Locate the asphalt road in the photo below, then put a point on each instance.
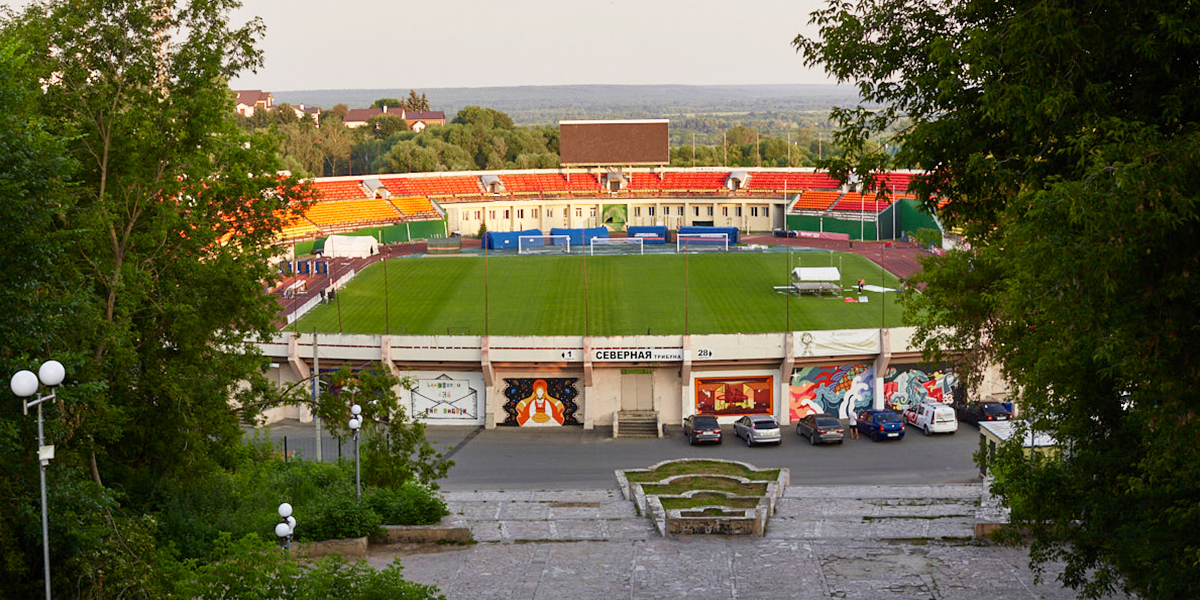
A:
(571, 458)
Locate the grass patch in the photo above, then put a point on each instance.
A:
(710, 512)
(701, 467)
(700, 482)
(708, 500)
(544, 295)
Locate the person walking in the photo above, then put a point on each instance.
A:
(861, 283)
(853, 425)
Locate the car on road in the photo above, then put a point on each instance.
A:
(881, 424)
(932, 417)
(702, 428)
(822, 428)
(974, 412)
(758, 429)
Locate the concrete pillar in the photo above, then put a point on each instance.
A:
(685, 378)
(491, 402)
(881, 365)
(589, 391)
(785, 380)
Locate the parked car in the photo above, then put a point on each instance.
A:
(758, 429)
(881, 424)
(820, 428)
(932, 417)
(974, 412)
(702, 428)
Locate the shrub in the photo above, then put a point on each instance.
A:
(409, 504)
(337, 517)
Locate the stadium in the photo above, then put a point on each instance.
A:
(611, 292)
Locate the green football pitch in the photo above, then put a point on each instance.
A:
(623, 295)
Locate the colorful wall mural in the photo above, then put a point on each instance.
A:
(840, 389)
(735, 396)
(533, 402)
(446, 398)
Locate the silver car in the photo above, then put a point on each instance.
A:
(758, 429)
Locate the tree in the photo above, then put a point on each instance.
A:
(1062, 141)
(389, 102)
(415, 103)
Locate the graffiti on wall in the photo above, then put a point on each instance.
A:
(840, 389)
(910, 384)
(547, 402)
(735, 396)
(440, 397)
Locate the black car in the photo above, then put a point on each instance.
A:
(820, 428)
(702, 428)
(974, 412)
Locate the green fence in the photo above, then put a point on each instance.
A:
(391, 234)
(892, 223)
(856, 229)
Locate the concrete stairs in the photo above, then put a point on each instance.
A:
(637, 424)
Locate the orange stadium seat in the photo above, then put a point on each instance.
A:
(777, 181)
(816, 199)
(704, 181)
(415, 208)
(339, 190)
(349, 212)
(441, 186)
(859, 202)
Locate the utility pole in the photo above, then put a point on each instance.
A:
(316, 391)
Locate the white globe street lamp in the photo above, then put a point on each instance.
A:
(25, 384)
(355, 425)
(286, 528)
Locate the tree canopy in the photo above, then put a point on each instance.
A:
(1062, 140)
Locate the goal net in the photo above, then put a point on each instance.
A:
(544, 244)
(616, 246)
(702, 242)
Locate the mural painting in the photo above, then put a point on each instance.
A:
(910, 384)
(438, 397)
(614, 216)
(547, 402)
(839, 389)
(836, 389)
(735, 396)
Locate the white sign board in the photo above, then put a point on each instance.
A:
(447, 398)
(637, 355)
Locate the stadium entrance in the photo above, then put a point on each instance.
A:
(637, 389)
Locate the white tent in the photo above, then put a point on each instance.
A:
(350, 246)
(817, 274)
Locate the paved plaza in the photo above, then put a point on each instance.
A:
(824, 542)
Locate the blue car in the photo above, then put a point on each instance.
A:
(880, 424)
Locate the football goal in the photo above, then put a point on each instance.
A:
(702, 242)
(616, 246)
(544, 244)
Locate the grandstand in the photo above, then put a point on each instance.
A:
(860, 202)
(296, 227)
(695, 182)
(450, 188)
(815, 200)
(415, 208)
(340, 189)
(778, 182)
(345, 215)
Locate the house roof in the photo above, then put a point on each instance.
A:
(252, 97)
(366, 114)
(428, 115)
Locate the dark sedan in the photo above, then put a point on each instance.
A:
(975, 412)
(702, 428)
(821, 428)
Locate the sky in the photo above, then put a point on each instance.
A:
(372, 44)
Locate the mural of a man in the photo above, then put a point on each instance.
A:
(539, 408)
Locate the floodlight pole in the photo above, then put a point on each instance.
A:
(23, 385)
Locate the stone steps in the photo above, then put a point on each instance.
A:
(804, 513)
(637, 424)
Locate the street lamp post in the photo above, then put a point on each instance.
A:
(355, 424)
(286, 527)
(25, 384)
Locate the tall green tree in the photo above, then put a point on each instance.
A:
(174, 211)
(1063, 141)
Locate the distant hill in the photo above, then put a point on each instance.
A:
(546, 105)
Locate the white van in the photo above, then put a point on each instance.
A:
(932, 417)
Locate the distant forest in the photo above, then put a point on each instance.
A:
(517, 127)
